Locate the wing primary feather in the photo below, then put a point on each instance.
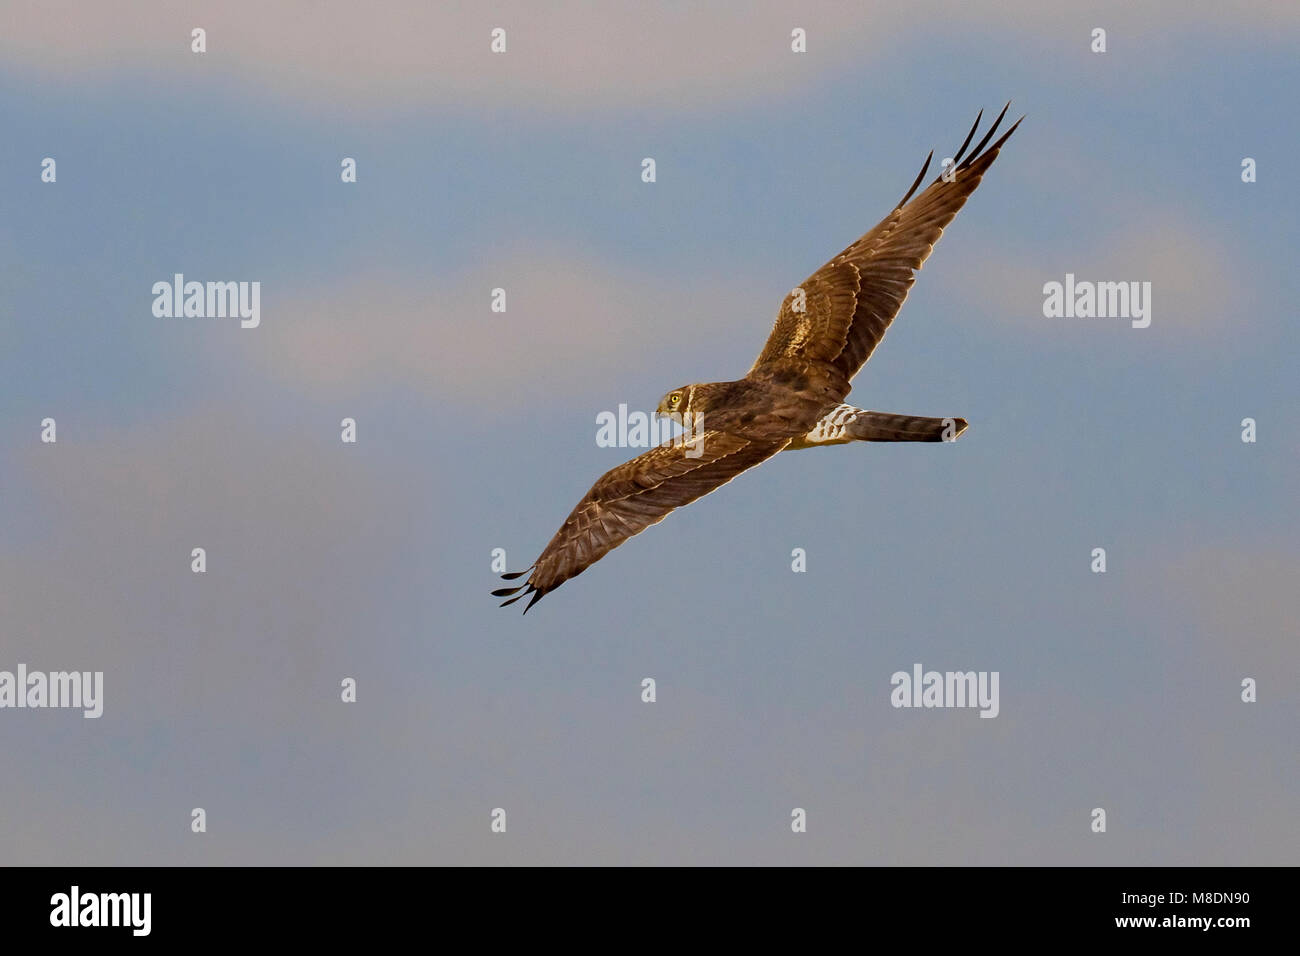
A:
(518, 596)
(506, 592)
(969, 136)
(919, 176)
(987, 136)
(515, 575)
(1005, 136)
(537, 596)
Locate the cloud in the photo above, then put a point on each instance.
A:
(561, 55)
(1194, 276)
(572, 326)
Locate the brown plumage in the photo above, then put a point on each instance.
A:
(826, 330)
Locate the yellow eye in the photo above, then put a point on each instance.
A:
(674, 400)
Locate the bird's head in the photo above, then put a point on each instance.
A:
(677, 403)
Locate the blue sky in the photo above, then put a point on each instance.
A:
(477, 431)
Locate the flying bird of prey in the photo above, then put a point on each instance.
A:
(794, 395)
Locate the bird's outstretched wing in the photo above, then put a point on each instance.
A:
(839, 315)
(628, 499)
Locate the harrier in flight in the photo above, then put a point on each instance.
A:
(794, 395)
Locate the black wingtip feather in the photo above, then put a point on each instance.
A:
(1007, 135)
(527, 589)
(517, 597)
(919, 176)
(537, 596)
(514, 574)
(969, 136)
(978, 151)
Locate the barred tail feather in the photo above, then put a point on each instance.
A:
(846, 423)
(882, 426)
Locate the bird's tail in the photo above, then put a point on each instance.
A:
(846, 424)
(882, 426)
